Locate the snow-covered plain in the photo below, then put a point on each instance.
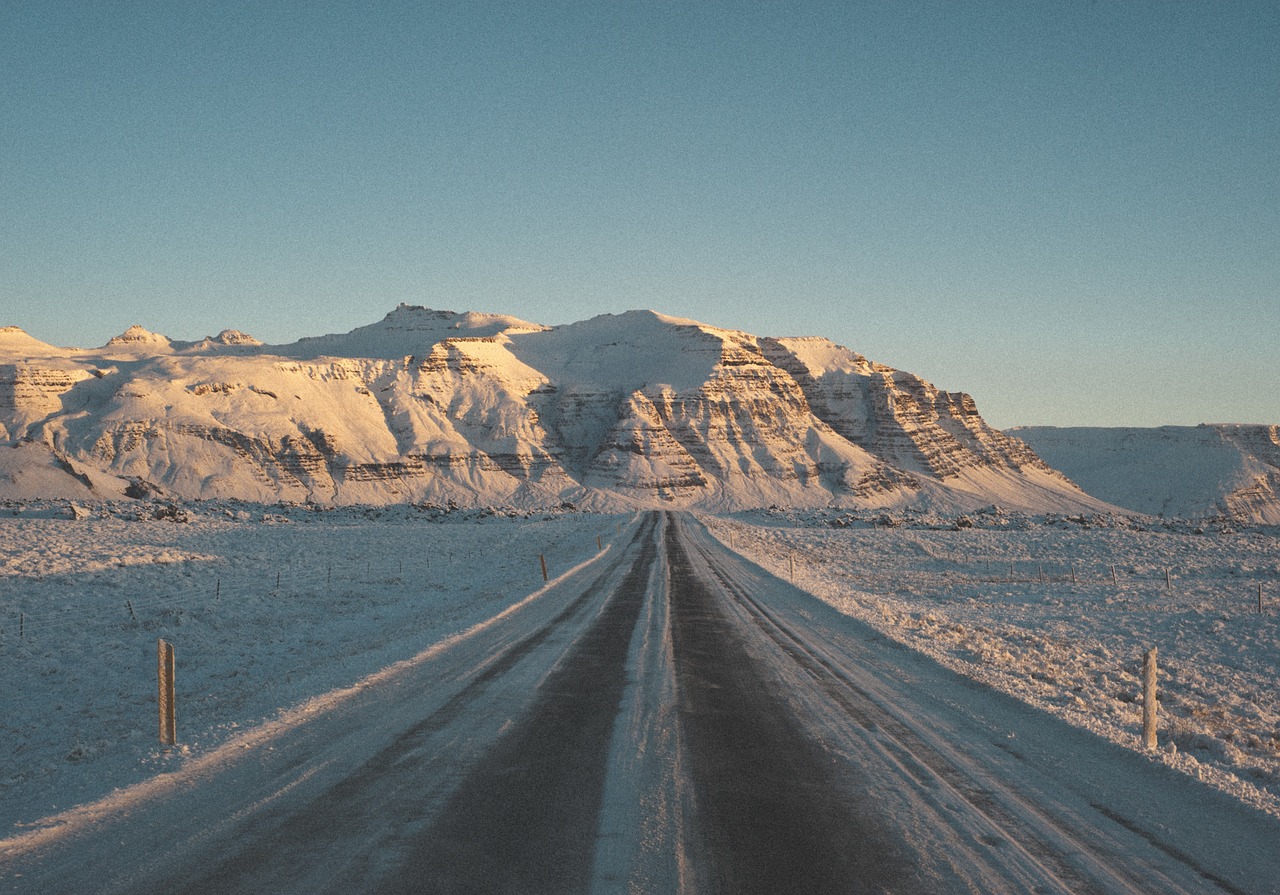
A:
(270, 607)
(84, 600)
(1029, 605)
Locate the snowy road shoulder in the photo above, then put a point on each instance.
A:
(1058, 614)
(268, 609)
(989, 793)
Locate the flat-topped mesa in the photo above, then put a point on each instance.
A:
(1206, 471)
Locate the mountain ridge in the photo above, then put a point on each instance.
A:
(628, 410)
(1227, 470)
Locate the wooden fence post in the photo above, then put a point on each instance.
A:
(168, 724)
(599, 546)
(543, 559)
(1149, 699)
(793, 568)
(1259, 596)
(1168, 581)
(1115, 582)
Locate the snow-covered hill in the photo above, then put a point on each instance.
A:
(1184, 471)
(637, 409)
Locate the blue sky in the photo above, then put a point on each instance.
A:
(1070, 210)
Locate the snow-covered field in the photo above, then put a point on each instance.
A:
(269, 607)
(1031, 606)
(83, 602)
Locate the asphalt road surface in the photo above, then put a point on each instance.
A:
(669, 718)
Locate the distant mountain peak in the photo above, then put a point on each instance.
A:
(235, 337)
(408, 330)
(15, 341)
(139, 337)
(419, 317)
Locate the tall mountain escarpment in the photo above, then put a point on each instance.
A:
(637, 409)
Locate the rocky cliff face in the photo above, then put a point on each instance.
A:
(896, 415)
(30, 392)
(637, 409)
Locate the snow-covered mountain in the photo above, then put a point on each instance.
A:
(637, 409)
(1184, 471)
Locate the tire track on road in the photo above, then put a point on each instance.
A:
(1080, 867)
(525, 818)
(774, 811)
(390, 794)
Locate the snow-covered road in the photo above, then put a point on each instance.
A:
(664, 717)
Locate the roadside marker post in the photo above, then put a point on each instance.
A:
(1149, 699)
(165, 669)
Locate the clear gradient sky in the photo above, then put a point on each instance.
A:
(1069, 209)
